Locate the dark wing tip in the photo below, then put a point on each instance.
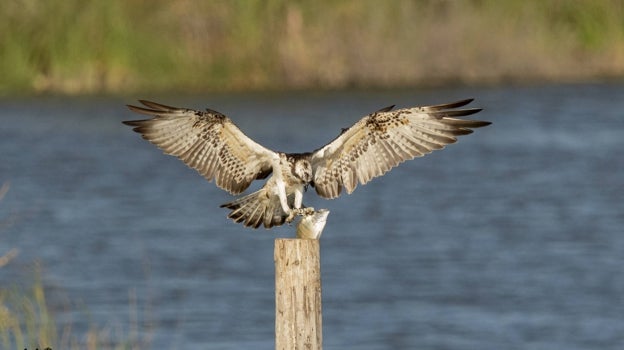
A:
(470, 111)
(152, 109)
(462, 123)
(446, 111)
(131, 122)
(142, 110)
(451, 105)
(460, 103)
(454, 112)
(158, 106)
(385, 109)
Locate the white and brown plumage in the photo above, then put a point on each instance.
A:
(211, 144)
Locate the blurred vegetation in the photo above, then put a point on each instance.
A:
(24, 318)
(119, 46)
(27, 321)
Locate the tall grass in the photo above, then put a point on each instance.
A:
(73, 46)
(27, 321)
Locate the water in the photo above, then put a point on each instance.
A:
(510, 239)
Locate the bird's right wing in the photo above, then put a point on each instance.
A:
(208, 142)
(382, 140)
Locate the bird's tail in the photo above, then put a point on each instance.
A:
(256, 209)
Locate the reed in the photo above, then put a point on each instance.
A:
(118, 46)
(27, 322)
(25, 318)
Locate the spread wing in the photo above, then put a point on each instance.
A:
(382, 140)
(208, 142)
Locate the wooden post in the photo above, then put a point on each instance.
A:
(298, 317)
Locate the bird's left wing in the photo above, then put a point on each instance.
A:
(382, 140)
(207, 141)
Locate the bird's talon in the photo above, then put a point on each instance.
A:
(307, 211)
(291, 216)
(304, 211)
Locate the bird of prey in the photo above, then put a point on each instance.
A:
(209, 142)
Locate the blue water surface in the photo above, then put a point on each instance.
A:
(510, 239)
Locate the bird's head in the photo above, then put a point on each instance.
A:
(303, 170)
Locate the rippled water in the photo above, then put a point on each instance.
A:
(510, 239)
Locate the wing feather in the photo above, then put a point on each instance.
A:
(383, 140)
(206, 141)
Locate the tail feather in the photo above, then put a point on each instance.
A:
(256, 209)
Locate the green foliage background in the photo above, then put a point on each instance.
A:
(119, 46)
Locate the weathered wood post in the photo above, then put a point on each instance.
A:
(298, 316)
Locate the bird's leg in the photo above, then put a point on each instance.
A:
(297, 204)
(281, 194)
(301, 209)
(298, 198)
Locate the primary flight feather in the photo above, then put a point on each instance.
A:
(210, 143)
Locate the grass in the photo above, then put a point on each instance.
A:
(25, 320)
(28, 322)
(117, 46)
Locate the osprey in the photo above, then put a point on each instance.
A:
(210, 143)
